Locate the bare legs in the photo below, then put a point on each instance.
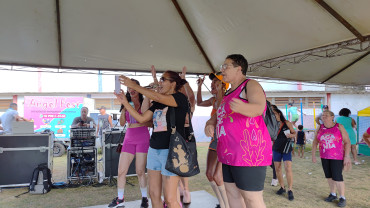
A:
(241, 199)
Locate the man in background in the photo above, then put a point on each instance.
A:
(9, 116)
(104, 121)
(318, 118)
(83, 120)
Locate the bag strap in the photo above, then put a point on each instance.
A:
(35, 176)
(190, 126)
(45, 175)
(172, 119)
(280, 128)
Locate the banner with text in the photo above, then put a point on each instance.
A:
(54, 113)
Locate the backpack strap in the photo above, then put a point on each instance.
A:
(46, 179)
(34, 178)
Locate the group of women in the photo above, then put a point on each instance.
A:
(241, 147)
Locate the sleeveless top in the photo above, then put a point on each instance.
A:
(330, 142)
(103, 123)
(347, 124)
(300, 137)
(281, 140)
(214, 110)
(130, 119)
(242, 140)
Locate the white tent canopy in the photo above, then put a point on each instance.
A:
(276, 36)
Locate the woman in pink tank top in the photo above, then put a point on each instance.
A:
(244, 144)
(135, 144)
(334, 147)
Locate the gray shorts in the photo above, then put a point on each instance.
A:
(213, 144)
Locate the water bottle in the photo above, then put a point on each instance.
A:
(91, 124)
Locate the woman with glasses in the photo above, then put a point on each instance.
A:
(214, 167)
(168, 96)
(244, 144)
(335, 147)
(135, 144)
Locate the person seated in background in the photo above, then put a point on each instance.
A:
(83, 120)
(9, 116)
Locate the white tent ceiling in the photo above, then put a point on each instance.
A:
(132, 35)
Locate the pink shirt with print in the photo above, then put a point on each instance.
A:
(242, 140)
(330, 142)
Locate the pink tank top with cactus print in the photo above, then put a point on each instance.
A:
(330, 142)
(242, 141)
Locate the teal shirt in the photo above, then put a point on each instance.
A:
(293, 111)
(347, 124)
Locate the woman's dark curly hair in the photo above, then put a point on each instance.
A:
(344, 112)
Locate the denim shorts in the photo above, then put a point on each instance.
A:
(277, 156)
(157, 159)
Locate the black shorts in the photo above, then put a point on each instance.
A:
(245, 178)
(333, 169)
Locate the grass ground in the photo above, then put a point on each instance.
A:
(310, 187)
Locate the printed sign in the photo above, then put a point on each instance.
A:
(54, 113)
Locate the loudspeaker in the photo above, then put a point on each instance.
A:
(111, 157)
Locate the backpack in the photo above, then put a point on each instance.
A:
(271, 123)
(269, 118)
(41, 180)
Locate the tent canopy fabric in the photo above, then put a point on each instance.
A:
(132, 35)
(364, 112)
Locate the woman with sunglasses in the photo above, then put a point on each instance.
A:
(168, 96)
(135, 144)
(244, 144)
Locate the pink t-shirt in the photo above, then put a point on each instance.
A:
(242, 141)
(330, 142)
(368, 130)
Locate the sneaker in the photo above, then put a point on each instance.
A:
(357, 163)
(331, 198)
(116, 203)
(290, 195)
(280, 191)
(144, 202)
(342, 202)
(274, 182)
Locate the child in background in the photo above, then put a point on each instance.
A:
(300, 141)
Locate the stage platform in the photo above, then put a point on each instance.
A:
(201, 199)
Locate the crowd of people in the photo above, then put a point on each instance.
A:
(241, 147)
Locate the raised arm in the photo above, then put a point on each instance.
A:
(154, 75)
(141, 118)
(160, 98)
(189, 93)
(200, 101)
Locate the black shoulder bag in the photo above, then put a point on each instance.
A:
(182, 156)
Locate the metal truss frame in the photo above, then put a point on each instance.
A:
(328, 51)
